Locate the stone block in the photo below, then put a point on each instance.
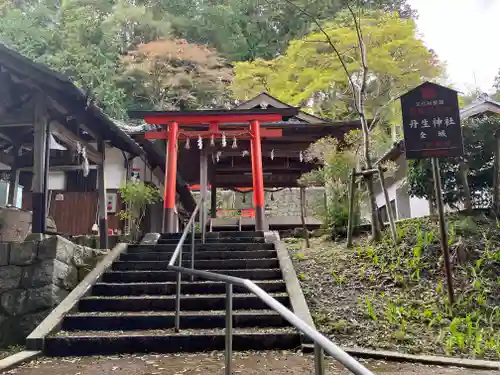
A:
(10, 277)
(64, 275)
(4, 253)
(9, 331)
(43, 298)
(57, 247)
(23, 253)
(83, 255)
(14, 301)
(38, 274)
(30, 321)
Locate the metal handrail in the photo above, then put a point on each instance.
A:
(321, 342)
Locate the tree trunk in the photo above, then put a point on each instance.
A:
(463, 169)
(390, 214)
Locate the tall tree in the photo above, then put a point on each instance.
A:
(174, 74)
(358, 61)
(83, 39)
(496, 86)
(244, 30)
(309, 74)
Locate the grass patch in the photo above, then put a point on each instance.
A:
(394, 297)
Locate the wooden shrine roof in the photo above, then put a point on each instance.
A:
(21, 79)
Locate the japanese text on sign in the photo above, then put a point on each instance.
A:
(431, 122)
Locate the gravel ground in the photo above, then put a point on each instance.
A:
(276, 363)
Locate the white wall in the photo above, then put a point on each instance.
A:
(114, 171)
(406, 206)
(57, 180)
(114, 168)
(419, 207)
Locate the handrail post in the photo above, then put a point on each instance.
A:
(193, 233)
(319, 360)
(229, 329)
(178, 295)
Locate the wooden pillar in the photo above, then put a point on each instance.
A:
(390, 213)
(46, 172)
(39, 149)
(14, 177)
(203, 189)
(303, 214)
(171, 178)
(258, 177)
(213, 192)
(102, 198)
(213, 200)
(496, 178)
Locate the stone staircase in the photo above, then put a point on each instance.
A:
(132, 310)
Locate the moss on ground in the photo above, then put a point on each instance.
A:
(395, 297)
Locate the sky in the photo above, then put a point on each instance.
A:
(464, 34)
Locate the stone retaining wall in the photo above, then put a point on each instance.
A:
(35, 276)
(285, 202)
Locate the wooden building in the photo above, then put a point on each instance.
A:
(48, 124)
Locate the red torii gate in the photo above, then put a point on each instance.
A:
(241, 124)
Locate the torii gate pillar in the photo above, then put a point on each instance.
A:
(170, 178)
(257, 177)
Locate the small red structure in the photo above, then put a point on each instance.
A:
(212, 124)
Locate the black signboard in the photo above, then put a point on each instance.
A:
(431, 122)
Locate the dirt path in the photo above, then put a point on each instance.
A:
(276, 363)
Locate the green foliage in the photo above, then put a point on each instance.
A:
(334, 175)
(83, 39)
(472, 324)
(137, 195)
(479, 157)
(245, 30)
(309, 74)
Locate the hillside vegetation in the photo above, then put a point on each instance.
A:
(395, 297)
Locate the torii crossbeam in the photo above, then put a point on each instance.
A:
(214, 124)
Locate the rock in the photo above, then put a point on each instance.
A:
(64, 276)
(9, 332)
(57, 247)
(14, 301)
(23, 253)
(15, 224)
(319, 232)
(30, 321)
(83, 256)
(10, 278)
(45, 297)
(39, 274)
(4, 253)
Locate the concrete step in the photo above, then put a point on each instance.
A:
(166, 288)
(199, 264)
(161, 276)
(205, 247)
(81, 343)
(156, 320)
(167, 303)
(222, 234)
(174, 241)
(201, 255)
